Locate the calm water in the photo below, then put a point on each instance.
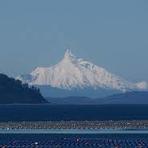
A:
(72, 112)
(75, 131)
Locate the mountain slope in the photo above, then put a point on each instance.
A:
(75, 73)
(13, 91)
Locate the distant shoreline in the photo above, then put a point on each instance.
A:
(77, 125)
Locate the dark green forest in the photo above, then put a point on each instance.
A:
(14, 91)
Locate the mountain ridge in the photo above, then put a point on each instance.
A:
(134, 97)
(75, 73)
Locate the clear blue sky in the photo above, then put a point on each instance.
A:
(110, 33)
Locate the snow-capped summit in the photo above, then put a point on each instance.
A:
(72, 72)
(68, 54)
(142, 85)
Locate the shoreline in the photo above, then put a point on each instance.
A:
(81, 125)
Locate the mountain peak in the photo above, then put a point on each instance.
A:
(68, 54)
(74, 72)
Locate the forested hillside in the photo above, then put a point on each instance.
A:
(13, 91)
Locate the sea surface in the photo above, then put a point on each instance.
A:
(74, 140)
(72, 112)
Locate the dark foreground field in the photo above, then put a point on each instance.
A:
(72, 112)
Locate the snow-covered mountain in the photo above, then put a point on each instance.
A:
(75, 73)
